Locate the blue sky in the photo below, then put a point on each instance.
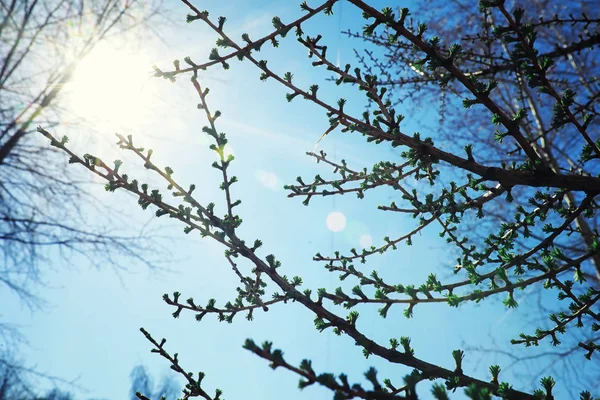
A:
(89, 330)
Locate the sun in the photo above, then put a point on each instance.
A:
(112, 88)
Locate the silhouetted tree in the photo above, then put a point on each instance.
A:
(565, 34)
(529, 248)
(41, 44)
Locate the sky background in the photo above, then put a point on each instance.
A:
(89, 329)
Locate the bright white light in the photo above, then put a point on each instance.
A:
(365, 241)
(267, 178)
(336, 221)
(112, 87)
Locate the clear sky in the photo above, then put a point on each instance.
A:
(89, 332)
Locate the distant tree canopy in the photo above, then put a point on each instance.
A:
(518, 161)
(141, 381)
(17, 382)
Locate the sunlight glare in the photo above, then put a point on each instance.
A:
(267, 178)
(336, 221)
(111, 87)
(366, 241)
